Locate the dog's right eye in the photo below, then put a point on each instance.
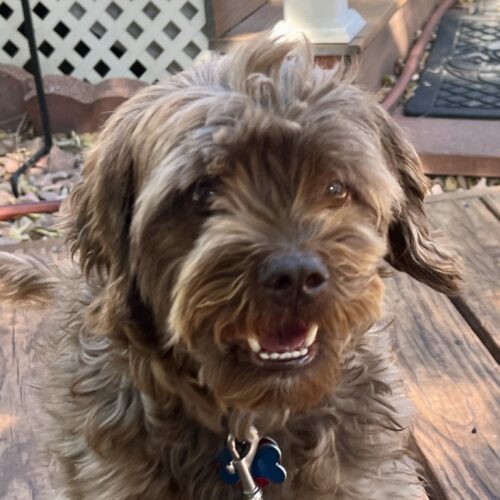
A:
(203, 194)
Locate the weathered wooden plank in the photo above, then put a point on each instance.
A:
(492, 201)
(469, 193)
(471, 163)
(20, 477)
(454, 384)
(227, 13)
(476, 232)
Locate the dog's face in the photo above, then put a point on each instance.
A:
(248, 206)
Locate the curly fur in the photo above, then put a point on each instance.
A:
(145, 376)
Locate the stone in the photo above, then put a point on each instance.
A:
(10, 164)
(481, 183)
(24, 186)
(43, 162)
(49, 195)
(60, 160)
(450, 183)
(33, 145)
(36, 171)
(436, 189)
(44, 180)
(6, 186)
(72, 103)
(5, 240)
(46, 220)
(77, 105)
(6, 198)
(14, 84)
(60, 175)
(462, 183)
(28, 198)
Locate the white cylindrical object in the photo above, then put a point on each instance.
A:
(323, 21)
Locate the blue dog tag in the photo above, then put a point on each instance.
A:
(266, 463)
(265, 468)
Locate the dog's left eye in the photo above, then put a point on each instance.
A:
(338, 191)
(203, 194)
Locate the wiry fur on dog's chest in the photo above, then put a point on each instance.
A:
(112, 440)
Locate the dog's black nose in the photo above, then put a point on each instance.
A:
(293, 276)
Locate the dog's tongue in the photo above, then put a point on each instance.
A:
(287, 338)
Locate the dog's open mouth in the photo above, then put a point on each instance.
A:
(290, 346)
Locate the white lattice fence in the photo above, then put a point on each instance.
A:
(96, 39)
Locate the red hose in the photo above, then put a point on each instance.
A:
(414, 57)
(36, 207)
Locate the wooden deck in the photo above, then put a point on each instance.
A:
(449, 350)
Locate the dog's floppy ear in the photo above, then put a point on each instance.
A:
(413, 247)
(100, 207)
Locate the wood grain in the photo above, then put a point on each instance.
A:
(454, 384)
(441, 163)
(228, 13)
(20, 478)
(475, 192)
(492, 201)
(476, 232)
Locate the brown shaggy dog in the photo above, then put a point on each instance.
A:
(231, 226)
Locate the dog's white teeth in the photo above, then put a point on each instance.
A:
(254, 344)
(281, 356)
(311, 335)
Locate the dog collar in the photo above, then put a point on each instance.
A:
(253, 463)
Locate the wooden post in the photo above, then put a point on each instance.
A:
(323, 21)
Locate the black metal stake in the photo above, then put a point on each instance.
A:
(42, 104)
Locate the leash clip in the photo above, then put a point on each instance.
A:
(243, 464)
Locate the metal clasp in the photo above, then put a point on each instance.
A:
(242, 464)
